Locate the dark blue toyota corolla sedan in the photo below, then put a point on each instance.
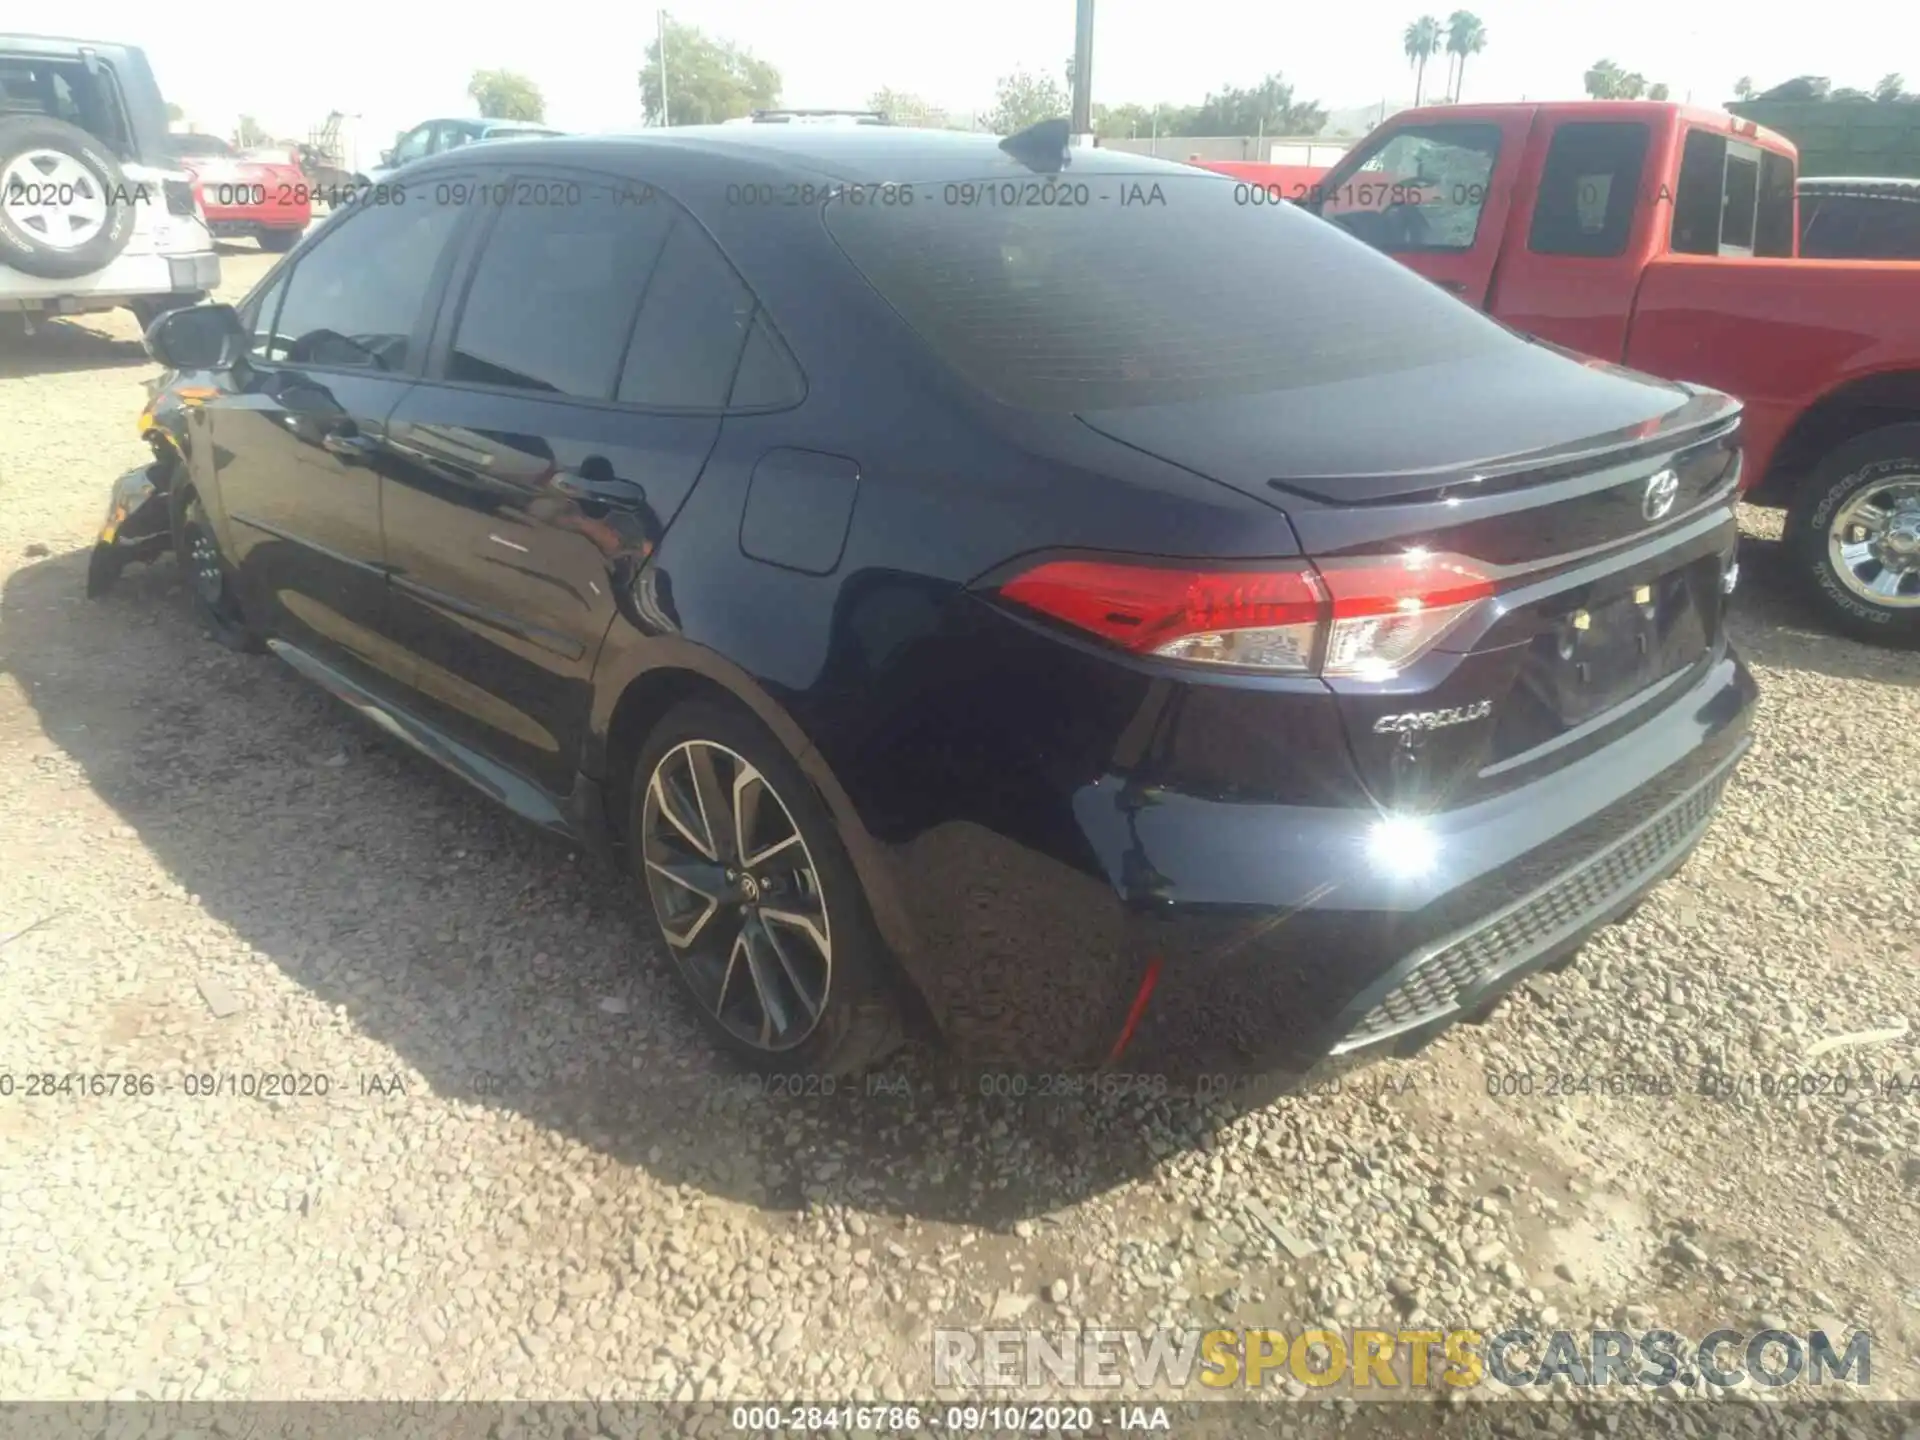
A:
(1018, 587)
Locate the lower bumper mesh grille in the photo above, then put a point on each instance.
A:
(1455, 971)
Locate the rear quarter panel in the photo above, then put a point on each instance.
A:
(1777, 334)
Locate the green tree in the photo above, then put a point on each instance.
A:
(903, 108)
(707, 80)
(1801, 87)
(1268, 108)
(1658, 92)
(1421, 41)
(1465, 36)
(1743, 88)
(249, 133)
(1022, 99)
(174, 113)
(1892, 87)
(506, 95)
(1848, 92)
(1607, 81)
(1123, 122)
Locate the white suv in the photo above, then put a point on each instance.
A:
(93, 213)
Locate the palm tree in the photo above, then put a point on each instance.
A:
(1465, 36)
(1743, 87)
(1891, 88)
(1422, 39)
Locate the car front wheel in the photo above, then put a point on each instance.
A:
(210, 580)
(761, 910)
(1854, 531)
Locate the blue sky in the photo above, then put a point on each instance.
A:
(394, 64)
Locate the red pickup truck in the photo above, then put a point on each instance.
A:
(1664, 237)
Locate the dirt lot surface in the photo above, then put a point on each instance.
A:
(527, 1177)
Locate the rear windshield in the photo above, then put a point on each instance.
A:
(1057, 294)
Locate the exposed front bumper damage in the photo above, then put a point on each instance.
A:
(138, 527)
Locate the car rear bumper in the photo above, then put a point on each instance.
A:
(231, 225)
(1237, 939)
(129, 276)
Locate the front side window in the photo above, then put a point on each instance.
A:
(355, 298)
(1589, 188)
(552, 302)
(1422, 189)
(259, 313)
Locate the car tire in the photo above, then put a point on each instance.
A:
(210, 580)
(90, 215)
(278, 242)
(779, 996)
(1853, 531)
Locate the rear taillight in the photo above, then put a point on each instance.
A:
(1366, 618)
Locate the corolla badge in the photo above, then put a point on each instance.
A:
(1663, 488)
(1433, 719)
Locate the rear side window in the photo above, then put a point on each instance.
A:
(1422, 190)
(1588, 189)
(691, 329)
(1733, 199)
(1186, 296)
(1738, 207)
(355, 298)
(554, 295)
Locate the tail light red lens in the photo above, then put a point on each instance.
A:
(1264, 619)
(1366, 618)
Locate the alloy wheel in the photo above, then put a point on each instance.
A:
(55, 198)
(203, 560)
(737, 895)
(1874, 543)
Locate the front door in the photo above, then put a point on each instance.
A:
(568, 412)
(298, 448)
(1434, 196)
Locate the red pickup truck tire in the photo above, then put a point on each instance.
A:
(1854, 532)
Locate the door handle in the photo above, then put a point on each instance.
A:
(610, 491)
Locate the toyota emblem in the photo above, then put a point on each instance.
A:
(1662, 490)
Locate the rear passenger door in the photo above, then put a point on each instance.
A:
(577, 381)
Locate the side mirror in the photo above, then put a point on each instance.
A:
(386, 157)
(200, 337)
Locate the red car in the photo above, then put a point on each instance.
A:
(246, 193)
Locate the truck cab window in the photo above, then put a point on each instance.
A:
(1423, 188)
(1696, 200)
(1589, 188)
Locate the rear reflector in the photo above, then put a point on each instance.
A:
(1367, 618)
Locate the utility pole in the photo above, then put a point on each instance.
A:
(1083, 68)
(664, 120)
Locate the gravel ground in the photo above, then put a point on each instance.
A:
(527, 1178)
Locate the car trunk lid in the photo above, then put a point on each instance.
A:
(1608, 552)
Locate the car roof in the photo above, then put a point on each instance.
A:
(60, 44)
(864, 153)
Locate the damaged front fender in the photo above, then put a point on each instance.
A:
(139, 525)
